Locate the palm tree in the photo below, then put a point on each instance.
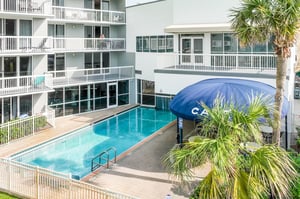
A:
(255, 22)
(239, 167)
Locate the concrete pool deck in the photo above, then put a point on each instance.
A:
(138, 173)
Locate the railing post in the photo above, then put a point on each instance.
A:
(9, 175)
(37, 182)
(8, 132)
(70, 185)
(33, 124)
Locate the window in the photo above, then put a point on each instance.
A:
(153, 43)
(217, 43)
(146, 44)
(26, 105)
(161, 43)
(123, 92)
(139, 44)
(169, 43)
(230, 43)
(25, 28)
(25, 66)
(57, 63)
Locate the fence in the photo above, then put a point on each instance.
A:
(26, 126)
(33, 182)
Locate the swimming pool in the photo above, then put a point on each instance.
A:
(72, 153)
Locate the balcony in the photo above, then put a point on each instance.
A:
(231, 63)
(26, 7)
(22, 44)
(89, 76)
(83, 44)
(79, 15)
(12, 86)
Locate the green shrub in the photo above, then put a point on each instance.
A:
(40, 122)
(296, 188)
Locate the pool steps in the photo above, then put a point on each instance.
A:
(104, 155)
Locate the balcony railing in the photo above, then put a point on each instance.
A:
(72, 44)
(218, 62)
(92, 15)
(24, 44)
(26, 6)
(86, 76)
(25, 84)
(15, 44)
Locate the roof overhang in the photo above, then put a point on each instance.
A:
(196, 28)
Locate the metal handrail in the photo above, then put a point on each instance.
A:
(96, 161)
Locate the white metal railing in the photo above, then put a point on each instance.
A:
(42, 44)
(82, 76)
(82, 14)
(22, 127)
(25, 84)
(50, 115)
(217, 62)
(39, 183)
(25, 43)
(72, 44)
(37, 7)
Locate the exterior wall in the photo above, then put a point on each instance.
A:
(156, 16)
(74, 3)
(168, 83)
(146, 62)
(39, 27)
(74, 30)
(74, 61)
(39, 64)
(39, 102)
(202, 11)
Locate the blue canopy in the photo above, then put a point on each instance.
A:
(186, 104)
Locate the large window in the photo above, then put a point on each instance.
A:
(56, 64)
(25, 66)
(92, 60)
(146, 95)
(26, 105)
(84, 98)
(25, 28)
(228, 43)
(155, 43)
(123, 90)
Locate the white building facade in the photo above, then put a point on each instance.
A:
(64, 55)
(177, 43)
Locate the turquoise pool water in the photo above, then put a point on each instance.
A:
(72, 153)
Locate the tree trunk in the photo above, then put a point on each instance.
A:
(279, 97)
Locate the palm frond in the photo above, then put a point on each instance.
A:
(274, 168)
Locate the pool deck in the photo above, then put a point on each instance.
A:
(138, 173)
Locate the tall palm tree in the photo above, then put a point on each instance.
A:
(240, 169)
(255, 22)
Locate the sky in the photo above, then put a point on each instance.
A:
(133, 2)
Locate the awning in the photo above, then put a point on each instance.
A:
(196, 28)
(186, 104)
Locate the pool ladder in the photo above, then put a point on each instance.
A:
(97, 161)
